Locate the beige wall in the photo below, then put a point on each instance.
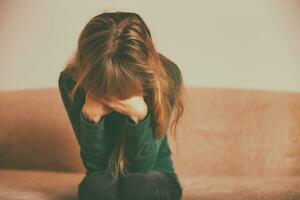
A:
(232, 43)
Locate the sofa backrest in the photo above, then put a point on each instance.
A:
(240, 132)
(35, 132)
(223, 132)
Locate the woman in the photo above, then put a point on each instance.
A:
(119, 93)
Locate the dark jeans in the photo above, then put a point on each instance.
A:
(154, 185)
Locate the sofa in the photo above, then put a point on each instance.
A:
(232, 144)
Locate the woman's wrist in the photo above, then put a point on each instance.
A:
(92, 119)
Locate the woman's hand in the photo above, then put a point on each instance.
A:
(133, 107)
(93, 110)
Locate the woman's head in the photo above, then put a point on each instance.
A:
(116, 59)
(114, 52)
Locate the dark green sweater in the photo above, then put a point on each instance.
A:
(96, 141)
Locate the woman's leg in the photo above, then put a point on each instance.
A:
(98, 185)
(154, 185)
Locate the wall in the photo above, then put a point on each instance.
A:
(235, 44)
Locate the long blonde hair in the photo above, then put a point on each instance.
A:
(115, 56)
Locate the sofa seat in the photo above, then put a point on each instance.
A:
(241, 188)
(17, 184)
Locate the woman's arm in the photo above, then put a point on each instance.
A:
(91, 137)
(141, 146)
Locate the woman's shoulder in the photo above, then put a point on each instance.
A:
(67, 79)
(172, 70)
(66, 82)
(66, 76)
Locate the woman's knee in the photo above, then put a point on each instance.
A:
(132, 186)
(152, 185)
(98, 185)
(164, 186)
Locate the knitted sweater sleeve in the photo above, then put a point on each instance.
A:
(91, 137)
(141, 146)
